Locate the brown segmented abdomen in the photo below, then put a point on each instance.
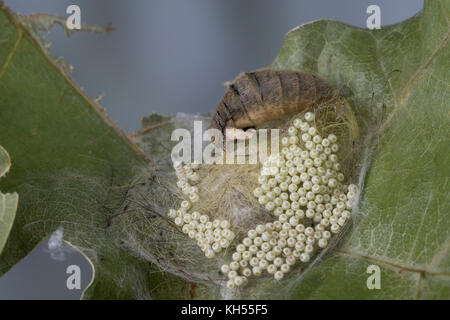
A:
(263, 95)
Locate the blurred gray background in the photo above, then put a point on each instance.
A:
(169, 56)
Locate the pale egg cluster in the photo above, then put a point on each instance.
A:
(211, 236)
(303, 188)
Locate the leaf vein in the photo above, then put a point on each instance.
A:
(414, 77)
(11, 53)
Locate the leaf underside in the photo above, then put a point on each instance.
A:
(396, 80)
(399, 76)
(71, 166)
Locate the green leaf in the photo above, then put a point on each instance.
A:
(396, 80)
(398, 77)
(8, 202)
(71, 167)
